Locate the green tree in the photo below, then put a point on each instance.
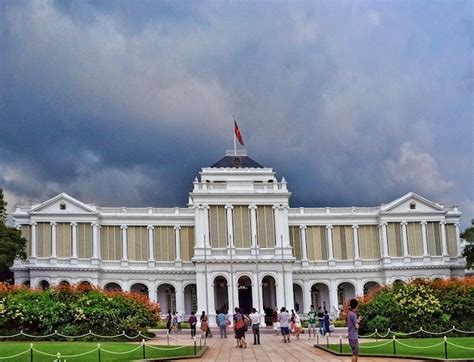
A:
(468, 251)
(12, 244)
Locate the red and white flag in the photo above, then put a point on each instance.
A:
(237, 133)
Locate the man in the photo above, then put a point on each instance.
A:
(222, 323)
(321, 321)
(179, 319)
(312, 322)
(255, 318)
(353, 329)
(284, 320)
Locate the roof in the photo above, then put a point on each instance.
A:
(237, 162)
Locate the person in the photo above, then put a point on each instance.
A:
(239, 327)
(169, 320)
(222, 323)
(174, 323)
(284, 320)
(255, 318)
(192, 323)
(353, 329)
(276, 325)
(312, 322)
(179, 320)
(295, 324)
(321, 321)
(204, 325)
(326, 322)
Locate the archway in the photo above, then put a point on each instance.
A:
(345, 292)
(320, 296)
(112, 287)
(221, 296)
(166, 296)
(139, 288)
(398, 283)
(43, 284)
(190, 299)
(369, 286)
(268, 297)
(64, 283)
(298, 298)
(26, 283)
(245, 294)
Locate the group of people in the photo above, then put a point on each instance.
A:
(173, 321)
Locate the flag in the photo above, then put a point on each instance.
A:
(237, 133)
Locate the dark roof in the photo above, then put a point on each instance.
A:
(237, 161)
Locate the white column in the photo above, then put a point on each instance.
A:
(306, 295)
(383, 230)
(95, 241)
(198, 226)
(444, 242)
(179, 297)
(404, 238)
(124, 243)
(53, 239)
(330, 246)
(201, 292)
(355, 233)
(278, 233)
(424, 238)
(333, 296)
(285, 230)
(280, 291)
(458, 240)
(151, 249)
(304, 252)
(359, 289)
(74, 240)
(230, 226)
(33, 240)
(206, 225)
(177, 228)
(253, 224)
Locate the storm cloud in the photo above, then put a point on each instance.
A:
(121, 103)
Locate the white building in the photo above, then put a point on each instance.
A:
(238, 243)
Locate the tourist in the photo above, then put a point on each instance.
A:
(284, 320)
(321, 321)
(312, 322)
(204, 325)
(255, 318)
(239, 327)
(296, 324)
(353, 329)
(326, 322)
(179, 320)
(192, 323)
(222, 322)
(169, 320)
(276, 325)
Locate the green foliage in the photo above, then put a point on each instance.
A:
(468, 251)
(74, 311)
(12, 244)
(433, 305)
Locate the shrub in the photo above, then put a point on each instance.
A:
(74, 310)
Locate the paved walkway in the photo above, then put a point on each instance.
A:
(271, 348)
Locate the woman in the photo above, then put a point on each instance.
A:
(204, 325)
(169, 319)
(297, 325)
(239, 328)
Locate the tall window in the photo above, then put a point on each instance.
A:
(369, 242)
(415, 239)
(187, 242)
(394, 238)
(63, 240)
(111, 242)
(451, 238)
(242, 234)
(295, 241)
(26, 233)
(43, 239)
(434, 238)
(316, 241)
(343, 242)
(137, 243)
(265, 226)
(218, 226)
(165, 243)
(84, 240)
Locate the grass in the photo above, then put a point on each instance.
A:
(414, 347)
(68, 349)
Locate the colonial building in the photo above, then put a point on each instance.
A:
(238, 243)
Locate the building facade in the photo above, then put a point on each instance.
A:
(238, 243)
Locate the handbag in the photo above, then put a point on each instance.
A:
(239, 324)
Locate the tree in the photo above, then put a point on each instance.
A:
(12, 244)
(468, 251)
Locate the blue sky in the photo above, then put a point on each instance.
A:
(120, 103)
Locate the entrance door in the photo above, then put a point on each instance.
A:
(245, 294)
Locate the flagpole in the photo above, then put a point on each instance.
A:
(235, 144)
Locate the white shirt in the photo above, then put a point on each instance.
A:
(255, 318)
(284, 319)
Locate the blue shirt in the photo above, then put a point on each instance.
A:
(352, 325)
(221, 319)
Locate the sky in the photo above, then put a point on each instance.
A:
(120, 103)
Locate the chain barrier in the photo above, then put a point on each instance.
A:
(112, 352)
(379, 345)
(458, 346)
(421, 330)
(90, 333)
(16, 355)
(418, 347)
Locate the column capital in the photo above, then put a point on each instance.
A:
(329, 227)
(53, 223)
(403, 223)
(228, 207)
(74, 224)
(423, 223)
(355, 226)
(442, 222)
(303, 227)
(123, 227)
(34, 223)
(253, 207)
(177, 227)
(457, 223)
(94, 224)
(383, 223)
(150, 227)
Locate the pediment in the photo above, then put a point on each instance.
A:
(63, 203)
(412, 203)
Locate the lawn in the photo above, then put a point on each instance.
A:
(416, 347)
(121, 351)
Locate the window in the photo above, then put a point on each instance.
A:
(412, 205)
(62, 205)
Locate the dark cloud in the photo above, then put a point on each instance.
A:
(121, 103)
